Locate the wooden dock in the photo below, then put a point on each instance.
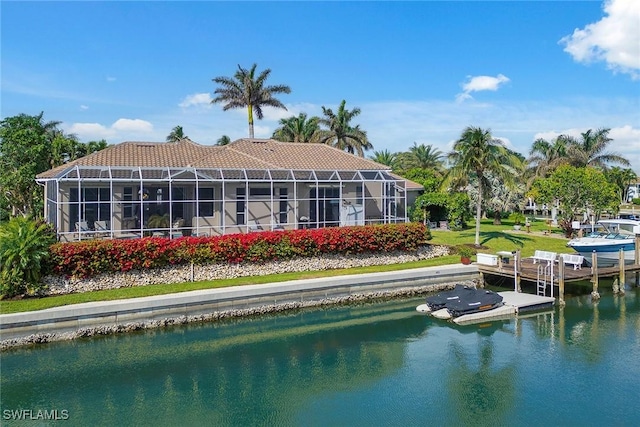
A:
(511, 265)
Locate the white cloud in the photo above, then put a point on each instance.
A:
(275, 114)
(614, 39)
(480, 83)
(132, 125)
(84, 107)
(90, 130)
(197, 99)
(121, 129)
(111, 79)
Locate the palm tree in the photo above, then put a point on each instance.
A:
(247, 90)
(93, 146)
(589, 150)
(385, 158)
(477, 154)
(340, 134)
(298, 129)
(545, 157)
(223, 140)
(423, 157)
(177, 134)
(621, 178)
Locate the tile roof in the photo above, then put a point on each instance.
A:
(240, 154)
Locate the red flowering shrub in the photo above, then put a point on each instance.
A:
(85, 259)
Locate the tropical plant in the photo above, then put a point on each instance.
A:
(465, 251)
(246, 90)
(428, 178)
(476, 154)
(176, 134)
(546, 156)
(24, 249)
(223, 140)
(94, 146)
(622, 179)
(422, 157)
(298, 129)
(577, 190)
(518, 218)
(25, 151)
(500, 198)
(340, 133)
(88, 258)
(385, 158)
(158, 221)
(590, 150)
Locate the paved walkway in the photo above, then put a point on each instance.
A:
(73, 317)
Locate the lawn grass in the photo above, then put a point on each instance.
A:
(503, 237)
(493, 238)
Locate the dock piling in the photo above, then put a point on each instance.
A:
(622, 276)
(561, 268)
(594, 271)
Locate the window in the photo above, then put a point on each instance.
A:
(283, 216)
(359, 194)
(241, 204)
(127, 196)
(94, 205)
(260, 192)
(205, 201)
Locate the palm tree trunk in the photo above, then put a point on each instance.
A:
(250, 113)
(478, 211)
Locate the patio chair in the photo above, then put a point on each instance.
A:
(176, 228)
(82, 230)
(102, 228)
(253, 226)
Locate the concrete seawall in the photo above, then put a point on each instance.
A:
(121, 312)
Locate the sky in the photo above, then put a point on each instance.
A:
(420, 72)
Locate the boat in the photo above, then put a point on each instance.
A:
(612, 235)
(462, 300)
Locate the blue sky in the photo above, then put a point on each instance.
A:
(419, 71)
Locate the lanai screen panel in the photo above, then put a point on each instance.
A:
(210, 174)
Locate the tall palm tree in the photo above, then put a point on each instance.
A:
(340, 134)
(477, 154)
(298, 129)
(247, 90)
(589, 150)
(385, 158)
(223, 140)
(177, 134)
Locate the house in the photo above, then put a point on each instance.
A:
(180, 188)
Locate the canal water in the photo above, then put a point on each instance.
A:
(372, 364)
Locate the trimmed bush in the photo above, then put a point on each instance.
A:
(89, 258)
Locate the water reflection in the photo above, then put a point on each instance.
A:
(380, 364)
(481, 395)
(214, 371)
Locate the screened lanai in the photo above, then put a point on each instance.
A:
(86, 201)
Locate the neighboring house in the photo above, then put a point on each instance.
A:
(135, 189)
